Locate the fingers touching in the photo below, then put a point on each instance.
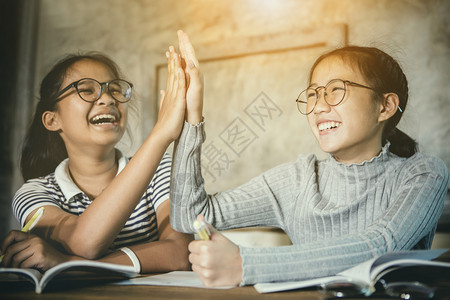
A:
(187, 50)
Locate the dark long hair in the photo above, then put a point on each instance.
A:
(43, 150)
(386, 76)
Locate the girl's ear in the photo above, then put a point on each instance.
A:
(50, 121)
(388, 107)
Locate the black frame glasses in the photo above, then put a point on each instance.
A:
(334, 93)
(90, 90)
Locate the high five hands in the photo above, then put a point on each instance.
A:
(183, 98)
(217, 261)
(194, 79)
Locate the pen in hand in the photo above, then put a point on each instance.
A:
(33, 221)
(202, 230)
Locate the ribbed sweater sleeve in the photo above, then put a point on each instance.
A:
(336, 215)
(252, 204)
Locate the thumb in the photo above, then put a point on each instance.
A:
(211, 229)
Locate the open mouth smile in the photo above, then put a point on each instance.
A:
(104, 119)
(328, 126)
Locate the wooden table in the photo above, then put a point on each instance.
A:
(94, 288)
(149, 292)
(97, 291)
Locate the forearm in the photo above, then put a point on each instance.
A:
(408, 223)
(259, 202)
(188, 195)
(110, 211)
(107, 213)
(164, 256)
(185, 168)
(159, 256)
(316, 259)
(324, 257)
(300, 262)
(154, 257)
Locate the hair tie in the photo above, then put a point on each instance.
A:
(133, 257)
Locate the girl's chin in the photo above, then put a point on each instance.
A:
(327, 144)
(113, 139)
(331, 149)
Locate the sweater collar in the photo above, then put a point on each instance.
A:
(381, 157)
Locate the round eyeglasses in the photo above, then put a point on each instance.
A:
(90, 90)
(349, 288)
(334, 93)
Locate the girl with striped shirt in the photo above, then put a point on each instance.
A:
(97, 201)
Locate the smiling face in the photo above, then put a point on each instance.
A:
(82, 124)
(351, 131)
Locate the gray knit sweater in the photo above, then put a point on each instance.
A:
(336, 215)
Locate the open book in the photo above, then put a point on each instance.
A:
(370, 272)
(75, 268)
(174, 278)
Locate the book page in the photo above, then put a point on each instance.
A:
(413, 254)
(364, 272)
(360, 271)
(271, 287)
(405, 258)
(85, 266)
(175, 278)
(18, 274)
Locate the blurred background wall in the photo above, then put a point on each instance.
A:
(255, 56)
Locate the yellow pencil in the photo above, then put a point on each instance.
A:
(33, 221)
(202, 230)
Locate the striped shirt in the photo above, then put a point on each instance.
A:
(337, 215)
(58, 189)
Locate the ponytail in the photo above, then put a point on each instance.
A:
(42, 151)
(385, 76)
(401, 143)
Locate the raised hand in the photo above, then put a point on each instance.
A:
(173, 100)
(194, 79)
(217, 261)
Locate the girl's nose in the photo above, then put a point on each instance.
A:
(106, 99)
(321, 104)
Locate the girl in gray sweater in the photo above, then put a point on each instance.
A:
(373, 194)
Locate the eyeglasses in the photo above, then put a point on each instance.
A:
(90, 90)
(334, 93)
(400, 290)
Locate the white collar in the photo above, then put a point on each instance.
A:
(65, 182)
